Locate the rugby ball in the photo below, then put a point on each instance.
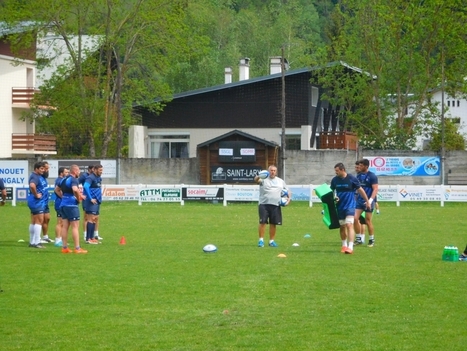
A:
(210, 248)
(283, 201)
(284, 193)
(263, 174)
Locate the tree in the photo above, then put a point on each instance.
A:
(403, 44)
(453, 140)
(93, 92)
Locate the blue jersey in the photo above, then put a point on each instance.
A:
(82, 178)
(345, 190)
(366, 180)
(69, 198)
(92, 188)
(58, 199)
(41, 188)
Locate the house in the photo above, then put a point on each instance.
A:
(17, 89)
(253, 106)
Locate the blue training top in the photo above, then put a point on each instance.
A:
(345, 190)
(66, 185)
(58, 199)
(366, 180)
(92, 188)
(41, 188)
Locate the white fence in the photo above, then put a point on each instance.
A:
(250, 193)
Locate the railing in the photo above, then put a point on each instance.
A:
(22, 95)
(38, 144)
(338, 140)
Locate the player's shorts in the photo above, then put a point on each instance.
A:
(59, 212)
(70, 213)
(46, 208)
(361, 205)
(36, 206)
(342, 214)
(270, 214)
(93, 209)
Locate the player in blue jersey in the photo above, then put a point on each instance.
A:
(36, 205)
(71, 197)
(81, 180)
(3, 192)
(62, 173)
(369, 183)
(45, 224)
(93, 193)
(344, 186)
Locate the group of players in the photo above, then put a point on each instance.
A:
(70, 189)
(354, 196)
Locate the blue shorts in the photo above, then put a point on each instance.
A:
(46, 208)
(342, 214)
(361, 205)
(93, 209)
(70, 213)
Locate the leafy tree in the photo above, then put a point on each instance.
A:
(92, 94)
(406, 46)
(453, 140)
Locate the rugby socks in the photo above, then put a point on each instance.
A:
(344, 243)
(31, 234)
(350, 245)
(37, 234)
(362, 238)
(90, 230)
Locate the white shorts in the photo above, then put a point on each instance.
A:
(348, 219)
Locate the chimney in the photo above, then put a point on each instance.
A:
(244, 68)
(275, 64)
(228, 75)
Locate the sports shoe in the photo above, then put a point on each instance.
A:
(348, 251)
(92, 241)
(260, 243)
(58, 243)
(97, 237)
(66, 251)
(46, 240)
(462, 257)
(377, 211)
(358, 242)
(273, 244)
(343, 248)
(37, 246)
(371, 243)
(80, 251)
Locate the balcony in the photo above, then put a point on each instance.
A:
(33, 144)
(22, 97)
(338, 140)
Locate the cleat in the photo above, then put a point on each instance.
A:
(358, 242)
(348, 251)
(97, 237)
(92, 241)
(46, 240)
(371, 243)
(66, 251)
(80, 251)
(343, 249)
(463, 257)
(58, 244)
(377, 211)
(273, 244)
(261, 243)
(37, 246)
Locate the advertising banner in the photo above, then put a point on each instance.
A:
(109, 169)
(14, 172)
(234, 174)
(202, 193)
(160, 195)
(241, 193)
(455, 193)
(119, 193)
(420, 193)
(405, 166)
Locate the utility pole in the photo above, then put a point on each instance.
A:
(283, 113)
(443, 147)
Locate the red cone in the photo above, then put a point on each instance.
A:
(123, 241)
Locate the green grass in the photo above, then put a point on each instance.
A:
(161, 292)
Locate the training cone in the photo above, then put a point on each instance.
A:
(281, 256)
(123, 241)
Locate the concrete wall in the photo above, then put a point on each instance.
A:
(301, 167)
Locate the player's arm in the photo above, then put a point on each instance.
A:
(87, 192)
(58, 191)
(33, 189)
(257, 180)
(363, 195)
(76, 193)
(374, 193)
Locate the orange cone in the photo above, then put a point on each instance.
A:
(123, 241)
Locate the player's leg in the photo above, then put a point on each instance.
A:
(263, 221)
(371, 229)
(349, 224)
(45, 227)
(357, 226)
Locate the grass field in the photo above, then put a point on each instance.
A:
(161, 292)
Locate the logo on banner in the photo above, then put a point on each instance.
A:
(247, 152)
(226, 152)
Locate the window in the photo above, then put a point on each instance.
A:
(293, 142)
(169, 145)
